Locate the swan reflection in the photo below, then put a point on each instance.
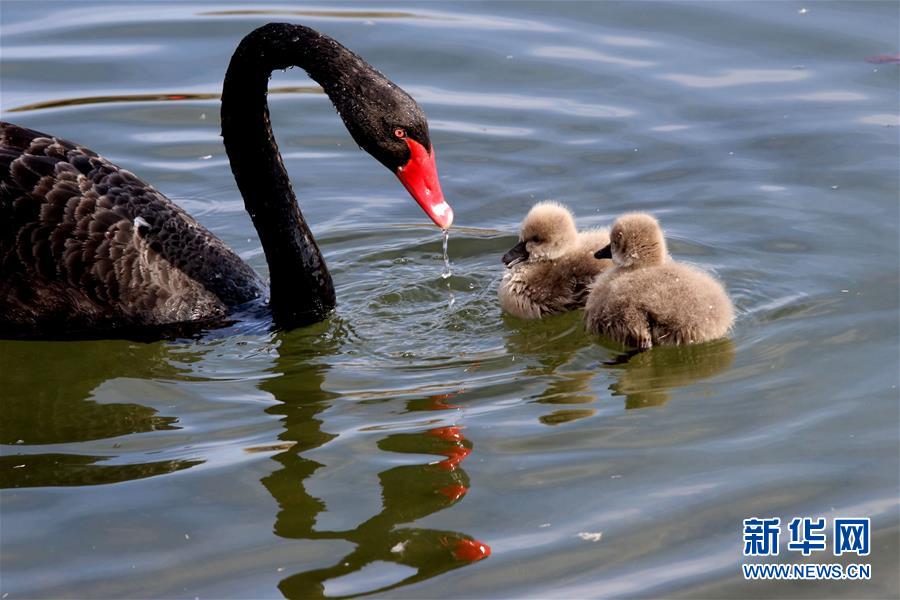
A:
(565, 358)
(385, 542)
(646, 378)
(53, 432)
(555, 348)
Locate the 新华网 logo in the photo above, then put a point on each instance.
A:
(807, 536)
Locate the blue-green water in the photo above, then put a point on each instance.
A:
(251, 464)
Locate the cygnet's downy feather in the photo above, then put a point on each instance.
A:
(551, 267)
(647, 298)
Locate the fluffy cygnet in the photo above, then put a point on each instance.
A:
(647, 298)
(551, 267)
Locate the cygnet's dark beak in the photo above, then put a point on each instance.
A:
(604, 252)
(517, 254)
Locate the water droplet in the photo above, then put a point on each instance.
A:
(802, 11)
(835, 187)
(447, 272)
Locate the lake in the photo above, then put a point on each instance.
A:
(418, 429)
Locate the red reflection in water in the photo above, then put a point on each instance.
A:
(448, 434)
(884, 59)
(471, 550)
(437, 402)
(454, 492)
(456, 450)
(455, 455)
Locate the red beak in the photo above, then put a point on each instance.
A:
(419, 177)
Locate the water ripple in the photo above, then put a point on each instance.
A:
(733, 77)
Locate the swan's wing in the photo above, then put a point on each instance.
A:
(82, 239)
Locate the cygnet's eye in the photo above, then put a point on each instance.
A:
(537, 239)
(399, 133)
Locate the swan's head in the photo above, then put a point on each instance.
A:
(387, 123)
(383, 119)
(635, 241)
(547, 233)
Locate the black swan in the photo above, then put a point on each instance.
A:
(88, 249)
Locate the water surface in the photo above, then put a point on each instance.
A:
(376, 451)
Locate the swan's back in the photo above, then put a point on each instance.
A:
(87, 247)
(668, 304)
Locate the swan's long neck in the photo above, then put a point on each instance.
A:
(302, 291)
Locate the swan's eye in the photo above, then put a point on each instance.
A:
(537, 239)
(400, 133)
